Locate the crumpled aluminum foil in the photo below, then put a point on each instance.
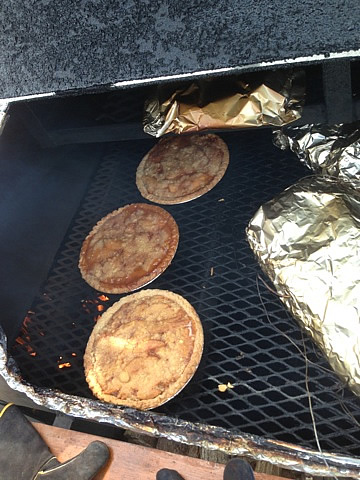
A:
(329, 150)
(307, 240)
(232, 102)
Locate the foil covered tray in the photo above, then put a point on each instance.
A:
(307, 241)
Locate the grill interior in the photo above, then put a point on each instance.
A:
(250, 340)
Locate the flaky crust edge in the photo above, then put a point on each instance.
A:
(104, 287)
(184, 198)
(185, 377)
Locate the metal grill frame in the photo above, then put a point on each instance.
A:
(276, 170)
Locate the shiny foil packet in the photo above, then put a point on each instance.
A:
(226, 103)
(307, 240)
(328, 150)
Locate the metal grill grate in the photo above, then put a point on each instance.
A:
(258, 352)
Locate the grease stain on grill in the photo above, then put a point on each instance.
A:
(215, 271)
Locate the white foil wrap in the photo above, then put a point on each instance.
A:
(329, 150)
(307, 240)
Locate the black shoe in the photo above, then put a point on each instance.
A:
(167, 474)
(237, 469)
(25, 456)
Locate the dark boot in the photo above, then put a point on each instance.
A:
(167, 474)
(237, 469)
(25, 456)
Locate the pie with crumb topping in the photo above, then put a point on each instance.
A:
(179, 169)
(129, 248)
(144, 349)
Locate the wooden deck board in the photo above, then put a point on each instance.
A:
(130, 461)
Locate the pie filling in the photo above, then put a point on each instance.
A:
(145, 350)
(129, 246)
(181, 166)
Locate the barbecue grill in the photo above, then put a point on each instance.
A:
(72, 138)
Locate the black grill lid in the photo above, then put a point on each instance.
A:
(64, 45)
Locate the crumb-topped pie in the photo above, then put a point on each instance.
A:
(144, 349)
(129, 248)
(182, 168)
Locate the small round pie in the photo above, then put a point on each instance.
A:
(144, 349)
(129, 248)
(179, 169)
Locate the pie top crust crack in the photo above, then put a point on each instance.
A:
(144, 349)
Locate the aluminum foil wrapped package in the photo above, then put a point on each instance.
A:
(330, 150)
(232, 102)
(307, 240)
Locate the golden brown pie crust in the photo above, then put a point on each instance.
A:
(144, 349)
(129, 248)
(179, 169)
